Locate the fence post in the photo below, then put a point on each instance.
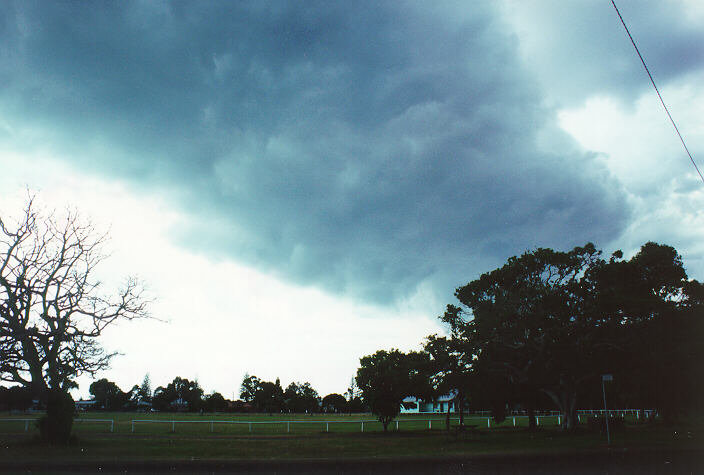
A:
(112, 425)
(327, 427)
(488, 422)
(537, 421)
(211, 426)
(250, 427)
(558, 420)
(514, 421)
(362, 426)
(397, 425)
(173, 426)
(26, 426)
(430, 423)
(132, 426)
(288, 426)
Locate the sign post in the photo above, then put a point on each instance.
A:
(604, 378)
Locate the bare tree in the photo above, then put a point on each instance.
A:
(51, 307)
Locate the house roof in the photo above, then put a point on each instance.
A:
(444, 398)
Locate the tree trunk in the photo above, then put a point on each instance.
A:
(531, 417)
(566, 401)
(447, 418)
(571, 419)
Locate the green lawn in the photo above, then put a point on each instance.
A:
(255, 424)
(308, 438)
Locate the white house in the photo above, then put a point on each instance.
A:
(82, 405)
(413, 405)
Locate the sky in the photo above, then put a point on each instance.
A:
(300, 184)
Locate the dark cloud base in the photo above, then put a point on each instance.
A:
(362, 147)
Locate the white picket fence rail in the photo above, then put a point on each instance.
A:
(469, 419)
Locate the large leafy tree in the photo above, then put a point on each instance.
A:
(335, 403)
(658, 312)
(386, 377)
(301, 398)
(108, 395)
(525, 323)
(451, 365)
(249, 388)
(269, 397)
(265, 396)
(550, 322)
(179, 394)
(215, 402)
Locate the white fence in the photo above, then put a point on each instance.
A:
(325, 425)
(251, 424)
(477, 419)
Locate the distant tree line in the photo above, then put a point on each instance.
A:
(270, 397)
(182, 395)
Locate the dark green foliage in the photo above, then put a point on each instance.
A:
(451, 364)
(16, 398)
(269, 397)
(180, 395)
(144, 392)
(108, 395)
(386, 377)
(334, 403)
(215, 403)
(550, 323)
(527, 326)
(250, 385)
(55, 426)
(658, 315)
(301, 398)
(266, 396)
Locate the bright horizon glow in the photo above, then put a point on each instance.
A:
(217, 320)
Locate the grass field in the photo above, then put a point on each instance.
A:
(261, 424)
(280, 437)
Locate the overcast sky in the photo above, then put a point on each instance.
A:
(303, 183)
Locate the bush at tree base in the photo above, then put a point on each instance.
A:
(55, 426)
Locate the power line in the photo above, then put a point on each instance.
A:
(652, 81)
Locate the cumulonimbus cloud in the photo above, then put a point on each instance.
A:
(362, 147)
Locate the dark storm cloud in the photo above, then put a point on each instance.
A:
(364, 147)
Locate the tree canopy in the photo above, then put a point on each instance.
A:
(301, 398)
(179, 395)
(267, 396)
(108, 395)
(387, 377)
(549, 322)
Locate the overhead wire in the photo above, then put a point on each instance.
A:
(652, 81)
